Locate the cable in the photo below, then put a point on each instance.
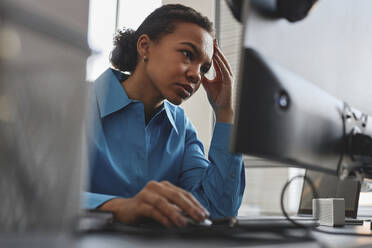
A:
(315, 195)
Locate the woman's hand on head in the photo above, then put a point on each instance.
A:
(219, 89)
(161, 201)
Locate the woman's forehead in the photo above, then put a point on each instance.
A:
(194, 34)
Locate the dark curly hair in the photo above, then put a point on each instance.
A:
(161, 21)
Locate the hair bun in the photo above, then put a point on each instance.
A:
(124, 55)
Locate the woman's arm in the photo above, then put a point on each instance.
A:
(217, 182)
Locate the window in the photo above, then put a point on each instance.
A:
(104, 18)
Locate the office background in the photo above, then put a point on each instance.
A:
(330, 52)
(341, 66)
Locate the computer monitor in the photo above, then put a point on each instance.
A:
(283, 117)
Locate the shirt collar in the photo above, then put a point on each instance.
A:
(112, 97)
(170, 109)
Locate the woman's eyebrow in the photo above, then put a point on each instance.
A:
(194, 48)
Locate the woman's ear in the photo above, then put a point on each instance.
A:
(143, 44)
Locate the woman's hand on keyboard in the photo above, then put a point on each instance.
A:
(161, 201)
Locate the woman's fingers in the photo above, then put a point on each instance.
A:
(200, 209)
(132, 210)
(224, 67)
(178, 196)
(218, 68)
(221, 67)
(166, 208)
(219, 53)
(171, 201)
(149, 211)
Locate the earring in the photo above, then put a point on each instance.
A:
(145, 59)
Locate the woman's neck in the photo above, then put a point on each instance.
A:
(139, 87)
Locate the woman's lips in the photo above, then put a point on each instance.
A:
(184, 90)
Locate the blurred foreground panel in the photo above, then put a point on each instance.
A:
(43, 53)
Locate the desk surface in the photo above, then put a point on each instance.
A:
(249, 239)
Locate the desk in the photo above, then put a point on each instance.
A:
(115, 240)
(337, 241)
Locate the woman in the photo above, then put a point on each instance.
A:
(146, 156)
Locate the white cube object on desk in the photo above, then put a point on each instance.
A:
(329, 211)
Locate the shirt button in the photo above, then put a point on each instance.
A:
(233, 175)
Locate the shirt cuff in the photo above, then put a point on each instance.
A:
(221, 136)
(93, 200)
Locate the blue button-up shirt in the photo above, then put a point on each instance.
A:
(126, 153)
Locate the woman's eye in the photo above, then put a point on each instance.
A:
(204, 69)
(187, 54)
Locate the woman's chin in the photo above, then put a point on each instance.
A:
(176, 100)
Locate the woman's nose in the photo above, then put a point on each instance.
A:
(194, 74)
